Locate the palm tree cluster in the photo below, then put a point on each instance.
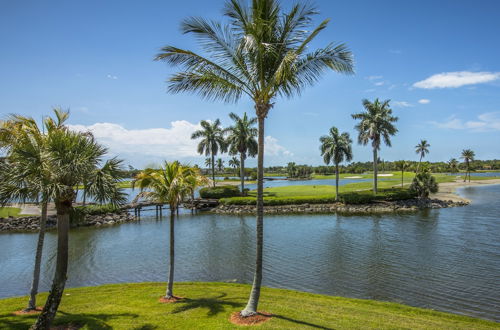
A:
(468, 157)
(262, 53)
(47, 166)
(295, 171)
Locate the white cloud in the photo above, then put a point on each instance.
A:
(456, 79)
(272, 148)
(109, 76)
(374, 77)
(401, 104)
(379, 83)
(370, 90)
(489, 121)
(424, 101)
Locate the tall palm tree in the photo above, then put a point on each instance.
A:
(453, 165)
(376, 125)
(336, 148)
(422, 149)
(95, 184)
(241, 140)
(220, 165)
(262, 53)
(468, 156)
(234, 163)
(71, 157)
(171, 184)
(22, 133)
(402, 165)
(212, 135)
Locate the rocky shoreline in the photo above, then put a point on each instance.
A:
(410, 205)
(31, 223)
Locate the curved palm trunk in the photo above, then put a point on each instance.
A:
(170, 286)
(253, 301)
(213, 168)
(375, 170)
(242, 173)
(54, 299)
(38, 259)
(420, 161)
(337, 182)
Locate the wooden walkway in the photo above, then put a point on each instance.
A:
(196, 204)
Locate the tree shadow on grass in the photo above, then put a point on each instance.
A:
(89, 320)
(215, 305)
(9, 321)
(312, 325)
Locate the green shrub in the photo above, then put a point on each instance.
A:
(271, 201)
(220, 192)
(78, 213)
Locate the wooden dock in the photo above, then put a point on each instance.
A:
(196, 204)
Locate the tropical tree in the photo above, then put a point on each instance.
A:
(208, 162)
(468, 157)
(234, 163)
(422, 149)
(291, 169)
(241, 140)
(424, 184)
(453, 165)
(212, 141)
(95, 184)
(262, 53)
(170, 184)
(376, 125)
(336, 148)
(402, 165)
(70, 158)
(220, 165)
(25, 145)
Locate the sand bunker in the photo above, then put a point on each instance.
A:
(353, 177)
(385, 174)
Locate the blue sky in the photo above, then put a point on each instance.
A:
(438, 61)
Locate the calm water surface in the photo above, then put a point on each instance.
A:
(442, 259)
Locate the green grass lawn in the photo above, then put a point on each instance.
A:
(9, 212)
(209, 305)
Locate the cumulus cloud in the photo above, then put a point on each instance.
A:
(273, 148)
(401, 104)
(379, 83)
(456, 79)
(424, 101)
(489, 121)
(109, 76)
(374, 77)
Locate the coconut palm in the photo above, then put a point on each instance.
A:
(262, 53)
(402, 165)
(336, 148)
(212, 142)
(468, 156)
(234, 163)
(453, 165)
(422, 149)
(95, 184)
(170, 184)
(220, 165)
(24, 144)
(241, 140)
(376, 125)
(424, 184)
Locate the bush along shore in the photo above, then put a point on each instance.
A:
(409, 205)
(32, 223)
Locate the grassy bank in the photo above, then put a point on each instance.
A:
(9, 212)
(209, 305)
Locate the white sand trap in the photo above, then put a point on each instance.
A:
(353, 177)
(385, 174)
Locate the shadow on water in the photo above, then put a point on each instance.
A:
(215, 305)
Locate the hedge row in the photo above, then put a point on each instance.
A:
(78, 213)
(220, 192)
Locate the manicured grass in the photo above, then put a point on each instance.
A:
(9, 212)
(209, 305)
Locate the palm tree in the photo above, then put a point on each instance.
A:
(422, 149)
(424, 184)
(220, 165)
(402, 165)
(453, 165)
(171, 184)
(18, 134)
(234, 163)
(262, 53)
(241, 139)
(376, 124)
(468, 156)
(212, 141)
(94, 184)
(336, 148)
(208, 162)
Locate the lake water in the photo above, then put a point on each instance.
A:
(445, 259)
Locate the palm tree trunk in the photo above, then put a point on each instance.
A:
(84, 195)
(38, 259)
(418, 166)
(242, 173)
(213, 168)
(375, 170)
(54, 299)
(170, 286)
(402, 177)
(337, 182)
(253, 301)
